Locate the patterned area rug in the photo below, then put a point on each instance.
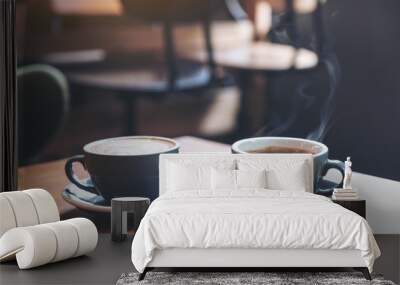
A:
(269, 278)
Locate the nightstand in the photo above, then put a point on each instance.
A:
(357, 206)
(120, 207)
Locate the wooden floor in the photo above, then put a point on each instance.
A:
(103, 266)
(389, 262)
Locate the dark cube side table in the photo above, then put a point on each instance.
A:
(120, 207)
(357, 206)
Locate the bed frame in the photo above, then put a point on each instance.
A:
(250, 259)
(240, 259)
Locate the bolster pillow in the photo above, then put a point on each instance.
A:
(40, 244)
(26, 208)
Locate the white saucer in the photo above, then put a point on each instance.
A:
(84, 200)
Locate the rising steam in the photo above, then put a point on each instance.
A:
(332, 68)
(307, 111)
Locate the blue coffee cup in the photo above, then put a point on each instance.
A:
(319, 151)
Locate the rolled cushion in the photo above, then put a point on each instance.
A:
(33, 246)
(26, 208)
(40, 244)
(66, 238)
(23, 208)
(7, 218)
(46, 207)
(87, 235)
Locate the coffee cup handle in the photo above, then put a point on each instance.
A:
(332, 164)
(73, 178)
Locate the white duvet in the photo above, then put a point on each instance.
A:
(250, 219)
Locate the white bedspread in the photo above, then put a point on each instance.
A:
(250, 219)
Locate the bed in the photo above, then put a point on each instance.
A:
(242, 211)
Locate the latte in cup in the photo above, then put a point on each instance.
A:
(123, 166)
(130, 146)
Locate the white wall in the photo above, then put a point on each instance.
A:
(383, 201)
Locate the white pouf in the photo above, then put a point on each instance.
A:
(26, 208)
(40, 244)
(46, 207)
(31, 231)
(7, 218)
(66, 237)
(23, 209)
(87, 235)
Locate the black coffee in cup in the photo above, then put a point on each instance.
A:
(281, 149)
(124, 166)
(278, 145)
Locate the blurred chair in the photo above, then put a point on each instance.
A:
(235, 10)
(132, 76)
(128, 75)
(43, 98)
(169, 13)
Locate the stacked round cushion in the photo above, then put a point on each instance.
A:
(31, 230)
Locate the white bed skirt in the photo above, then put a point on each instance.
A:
(193, 257)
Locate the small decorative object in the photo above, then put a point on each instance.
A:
(344, 194)
(347, 192)
(120, 207)
(31, 231)
(347, 174)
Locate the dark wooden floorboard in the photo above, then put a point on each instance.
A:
(389, 262)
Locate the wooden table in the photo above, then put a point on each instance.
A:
(356, 206)
(86, 7)
(51, 176)
(267, 61)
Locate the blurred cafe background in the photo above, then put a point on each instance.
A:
(221, 69)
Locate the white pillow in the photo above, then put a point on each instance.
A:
(183, 177)
(224, 179)
(251, 178)
(283, 173)
(292, 179)
(193, 174)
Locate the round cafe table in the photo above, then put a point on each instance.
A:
(129, 77)
(265, 58)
